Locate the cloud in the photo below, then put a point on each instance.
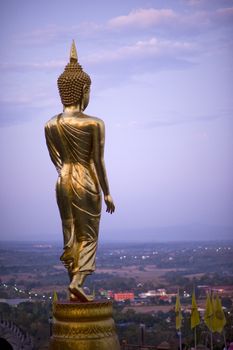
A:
(140, 18)
(224, 14)
(194, 2)
(143, 55)
(28, 99)
(207, 3)
(150, 48)
(21, 67)
(19, 109)
(21, 102)
(168, 18)
(59, 33)
(166, 21)
(143, 18)
(167, 121)
(153, 47)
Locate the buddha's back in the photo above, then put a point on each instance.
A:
(72, 136)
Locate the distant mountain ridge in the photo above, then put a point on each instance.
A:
(193, 232)
(176, 233)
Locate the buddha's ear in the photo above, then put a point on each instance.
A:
(85, 89)
(85, 97)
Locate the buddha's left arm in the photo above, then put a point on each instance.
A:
(98, 156)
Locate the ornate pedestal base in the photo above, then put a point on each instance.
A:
(83, 326)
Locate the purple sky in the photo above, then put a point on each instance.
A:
(161, 80)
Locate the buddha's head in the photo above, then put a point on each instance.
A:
(74, 84)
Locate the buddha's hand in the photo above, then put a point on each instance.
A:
(109, 203)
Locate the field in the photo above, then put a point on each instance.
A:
(149, 273)
(144, 309)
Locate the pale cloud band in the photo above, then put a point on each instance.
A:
(153, 47)
(139, 19)
(143, 40)
(146, 22)
(143, 18)
(156, 17)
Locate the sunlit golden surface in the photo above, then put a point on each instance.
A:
(83, 326)
(76, 146)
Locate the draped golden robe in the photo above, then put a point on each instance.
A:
(70, 144)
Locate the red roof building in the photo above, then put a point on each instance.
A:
(123, 296)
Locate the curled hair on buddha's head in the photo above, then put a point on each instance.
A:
(72, 81)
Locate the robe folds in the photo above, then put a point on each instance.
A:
(70, 144)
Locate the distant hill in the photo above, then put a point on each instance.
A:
(171, 233)
(179, 233)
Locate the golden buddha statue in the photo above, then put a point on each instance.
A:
(76, 146)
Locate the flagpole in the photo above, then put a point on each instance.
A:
(195, 337)
(195, 317)
(211, 322)
(211, 340)
(195, 328)
(211, 334)
(224, 338)
(178, 318)
(180, 339)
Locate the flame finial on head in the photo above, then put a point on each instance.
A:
(73, 53)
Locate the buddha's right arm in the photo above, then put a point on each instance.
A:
(53, 152)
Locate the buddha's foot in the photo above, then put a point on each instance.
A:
(78, 293)
(73, 297)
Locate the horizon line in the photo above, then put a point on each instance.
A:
(124, 241)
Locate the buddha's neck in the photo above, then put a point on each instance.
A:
(73, 108)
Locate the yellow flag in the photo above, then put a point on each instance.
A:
(195, 317)
(219, 319)
(208, 316)
(178, 312)
(55, 298)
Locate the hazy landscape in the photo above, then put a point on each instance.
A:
(30, 272)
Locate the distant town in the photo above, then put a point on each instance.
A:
(142, 280)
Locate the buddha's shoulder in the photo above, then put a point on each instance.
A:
(94, 120)
(51, 122)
